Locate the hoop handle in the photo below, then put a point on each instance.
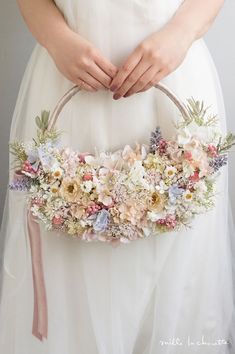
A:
(75, 89)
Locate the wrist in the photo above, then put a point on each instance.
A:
(57, 37)
(186, 33)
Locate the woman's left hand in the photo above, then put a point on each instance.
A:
(154, 58)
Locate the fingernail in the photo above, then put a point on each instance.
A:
(113, 87)
(127, 95)
(116, 96)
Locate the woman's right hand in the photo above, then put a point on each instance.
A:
(78, 60)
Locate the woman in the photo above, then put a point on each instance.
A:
(166, 294)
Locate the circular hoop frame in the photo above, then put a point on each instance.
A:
(75, 89)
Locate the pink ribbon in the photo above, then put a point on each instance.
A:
(40, 316)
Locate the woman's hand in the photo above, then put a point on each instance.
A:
(154, 58)
(80, 62)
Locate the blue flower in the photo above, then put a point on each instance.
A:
(45, 152)
(33, 158)
(174, 192)
(102, 220)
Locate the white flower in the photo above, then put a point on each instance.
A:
(57, 172)
(44, 186)
(147, 231)
(188, 214)
(203, 133)
(86, 186)
(154, 216)
(184, 136)
(137, 174)
(187, 196)
(162, 187)
(188, 169)
(170, 171)
(200, 187)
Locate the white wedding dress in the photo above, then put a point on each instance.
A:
(169, 294)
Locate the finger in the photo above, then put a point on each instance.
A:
(132, 79)
(106, 66)
(84, 86)
(142, 81)
(160, 75)
(90, 80)
(100, 75)
(125, 70)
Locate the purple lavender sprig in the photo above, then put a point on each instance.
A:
(217, 162)
(155, 138)
(20, 184)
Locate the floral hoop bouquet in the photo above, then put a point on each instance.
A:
(127, 194)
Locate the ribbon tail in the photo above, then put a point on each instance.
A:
(40, 315)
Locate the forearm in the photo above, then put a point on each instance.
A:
(195, 17)
(44, 20)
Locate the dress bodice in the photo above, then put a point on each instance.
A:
(112, 24)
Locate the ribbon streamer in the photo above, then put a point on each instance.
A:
(40, 315)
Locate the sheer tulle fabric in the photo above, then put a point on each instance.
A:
(138, 297)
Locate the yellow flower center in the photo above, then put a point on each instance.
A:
(156, 198)
(70, 188)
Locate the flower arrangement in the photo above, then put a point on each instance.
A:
(128, 194)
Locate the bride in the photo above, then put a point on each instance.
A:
(171, 293)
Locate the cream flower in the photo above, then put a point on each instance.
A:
(69, 190)
(77, 211)
(105, 197)
(131, 155)
(130, 212)
(157, 201)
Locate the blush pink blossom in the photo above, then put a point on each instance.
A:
(195, 177)
(188, 155)
(27, 167)
(212, 150)
(87, 177)
(83, 155)
(57, 220)
(38, 201)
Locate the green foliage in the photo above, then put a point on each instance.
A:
(226, 143)
(198, 113)
(43, 134)
(17, 149)
(43, 121)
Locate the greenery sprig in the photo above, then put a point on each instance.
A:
(198, 113)
(43, 134)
